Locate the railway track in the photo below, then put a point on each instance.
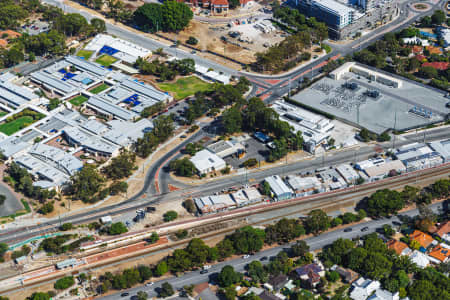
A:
(316, 201)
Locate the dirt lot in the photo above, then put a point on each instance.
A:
(209, 38)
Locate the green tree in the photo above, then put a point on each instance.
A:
(228, 276)
(247, 240)
(120, 166)
(64, 283)
(170, 216)
(257, 272)
(384, 203)
(85, 184)
(232, 120)
(192, 41)
(300, 248)
(166, 290)
(337, 251)
(117, 228)
(317, 221)
(141, 295)
(438, 17)
(161, 268)
(428, 72)
(66, 226)
(39, 296)
(332, 276)
(99, 25)
(183, 167)
(170, 16)
(189, 205)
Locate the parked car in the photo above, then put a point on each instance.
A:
(347, 229)
(364, 229)
(124, 294)
(149, 283)
(203, 271)
(263, 258)
(246, 256)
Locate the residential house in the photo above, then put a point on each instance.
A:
(381, 294)
(438, 65)
(278, 282)
(362, 288)
(417, 49)
(443, 231)
(310, 273)
(440, 253)
(434, 50)
(266, 295)
(424, 239)
(347, 275)
(399, 247)
(421, 58)
(420, 259)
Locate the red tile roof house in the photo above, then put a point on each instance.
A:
(442, 66)
(218, 7)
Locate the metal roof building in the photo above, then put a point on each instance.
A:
(110, 109)
(214, 203)
(304, 186)
(52, 83)
(67, 263)
(15, 96)
(443, 148)
(91, 143)
(418, 156)
(57, 158)
(380, 171)
(13, 146)
(225, 148)
(145, 89)
(280, 190)
(348, 173)
(87, 66)
(205, 161)
(125, 133)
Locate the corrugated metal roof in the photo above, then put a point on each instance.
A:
(112, 109)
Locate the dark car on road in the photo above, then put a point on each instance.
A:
(124, 294)
(203, 271)
(263, 258)
(364, 229)
(347, 229)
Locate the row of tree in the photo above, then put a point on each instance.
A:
(166, 71)
(387, 202)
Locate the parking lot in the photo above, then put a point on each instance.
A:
(254, 149)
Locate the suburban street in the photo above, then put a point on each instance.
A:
(315, 243)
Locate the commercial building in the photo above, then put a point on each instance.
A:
(315, 128)
(214, 203)
(304, 186)
(226, 148)
(380, 171)
(443, 148)
(279, 189)
(373, 99)
(335, 14)
(246, 196)
(348, 173)
(205, 161)
(332, 179)
(418, 156)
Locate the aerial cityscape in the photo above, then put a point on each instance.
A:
(225, 149)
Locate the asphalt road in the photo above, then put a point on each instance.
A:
(315, 243)
(142, 199)
(142, 40)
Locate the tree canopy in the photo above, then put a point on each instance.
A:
(170, 16)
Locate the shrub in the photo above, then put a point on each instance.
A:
(64, 283)
(192, 41)
(170, 216)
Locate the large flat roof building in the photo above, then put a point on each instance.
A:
(214, 203)
(348, 173)
(443, 148)
(110, 110)
(333, 13)
(225, 148)
(418, 156)
(303, 186)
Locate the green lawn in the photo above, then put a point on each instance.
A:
(78, 100)
(106, 60)
(9, 128)
(99, 89)
(185, 87)
(2, 113)
(86, 54)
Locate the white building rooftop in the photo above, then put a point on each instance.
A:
(205, 161)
